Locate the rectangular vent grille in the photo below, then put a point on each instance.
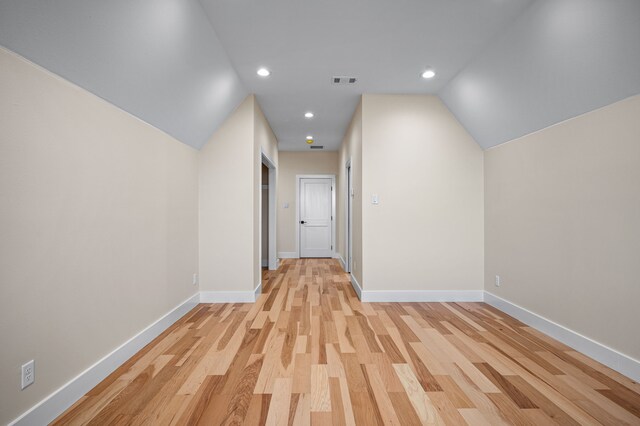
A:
(343, 79)
(316, 147)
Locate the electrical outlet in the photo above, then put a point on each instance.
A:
(28, 374)
(195, 279)
(497, 280)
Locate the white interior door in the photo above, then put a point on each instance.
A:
(316, 208)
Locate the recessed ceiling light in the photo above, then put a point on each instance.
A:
(263, 72)
(308, 114)
(429, 73)
(309, 137)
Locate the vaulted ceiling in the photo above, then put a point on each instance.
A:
(159, 60)
(559, 59)
(505, 68)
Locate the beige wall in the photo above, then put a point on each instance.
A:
(98, 229)
(290, 165)
(230, 169)
(351, 150)
(563, 223)
(427, 231)
(226, 190)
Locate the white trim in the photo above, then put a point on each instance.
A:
(228, 296)
(55, 404)
(341, 260)
(333, 209)
(422, 296)
(273, 212)
(257, 291)
(348, 220)
(610, 357)
(272, 255)
(287, 255)
(356, 286)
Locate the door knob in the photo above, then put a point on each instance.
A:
(302, 222)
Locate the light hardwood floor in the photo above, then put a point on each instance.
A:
(309, 352)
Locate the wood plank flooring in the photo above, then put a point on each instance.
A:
(309, 352)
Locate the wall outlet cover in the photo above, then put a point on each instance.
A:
(497, 280)
(28, 374)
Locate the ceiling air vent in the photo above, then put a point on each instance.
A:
(343, 80)
(316, 147)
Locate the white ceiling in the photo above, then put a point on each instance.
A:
(385, 44)
(504, 67)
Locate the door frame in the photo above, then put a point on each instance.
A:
(348, 216)
(333, 210)
(273, 255)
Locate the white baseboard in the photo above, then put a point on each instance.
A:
(227, 297)
(356, 286)
(341, 260)
(377, 296)
(422, 296)
(610, 357)
(287, 255)
(257, 291)
(55, 404)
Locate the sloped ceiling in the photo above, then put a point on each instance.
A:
(159, 60)
(385, 44)
(559, 59)
(505, 68)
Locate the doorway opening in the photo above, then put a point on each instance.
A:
(315, 213)
(348, 205)
(268, 257)
(264, 261)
